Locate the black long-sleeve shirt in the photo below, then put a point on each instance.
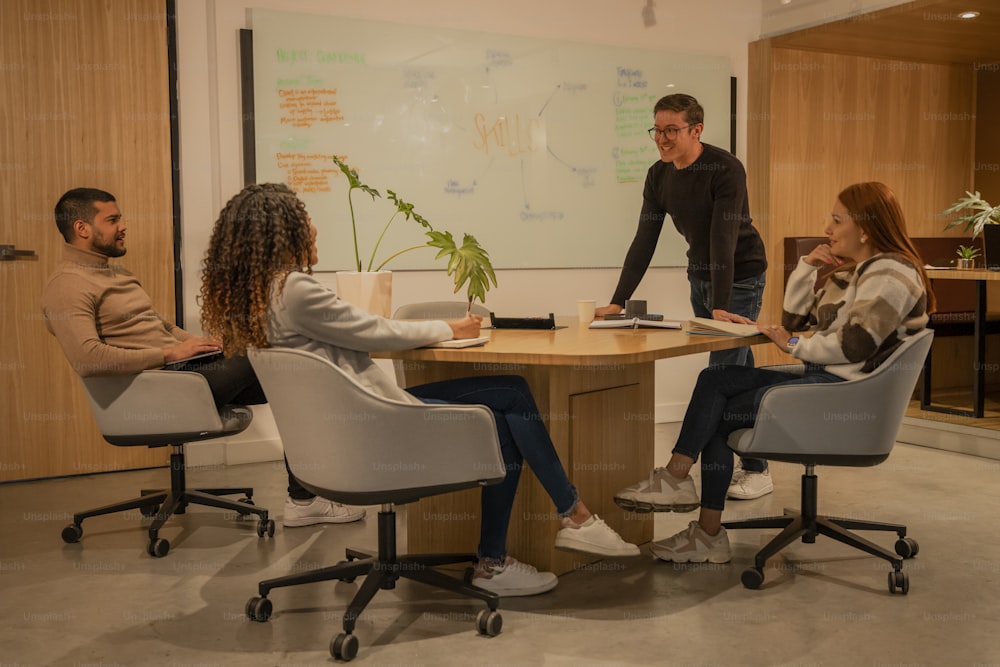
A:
(707, 201)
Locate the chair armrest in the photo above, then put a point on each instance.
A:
(406, 447)
(152, 403)
(839, 418)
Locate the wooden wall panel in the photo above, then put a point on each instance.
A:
(987, 163)
(85, 96)
(837, 119)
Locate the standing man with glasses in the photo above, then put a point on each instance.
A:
(704, 190)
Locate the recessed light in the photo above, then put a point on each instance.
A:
(968, 15)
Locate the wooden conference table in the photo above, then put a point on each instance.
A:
(594, 390)
(981, 276)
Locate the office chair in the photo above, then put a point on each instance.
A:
(350, 445)
(158, 408)
(438, 310)
(851, 423)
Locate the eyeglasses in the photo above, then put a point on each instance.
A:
(668, 132)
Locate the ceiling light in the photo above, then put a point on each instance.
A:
(968, 15)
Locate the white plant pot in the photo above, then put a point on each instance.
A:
(369, 290)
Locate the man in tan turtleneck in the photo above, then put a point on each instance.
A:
(98, 311)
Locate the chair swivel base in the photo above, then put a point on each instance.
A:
(162, 504)
(381, 572)
(807, 524)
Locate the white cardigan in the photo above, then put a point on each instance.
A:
(305, 315)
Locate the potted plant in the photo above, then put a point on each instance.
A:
(979, 216)
(966, 256)
(469, 263)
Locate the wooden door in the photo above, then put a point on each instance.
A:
(84, 86)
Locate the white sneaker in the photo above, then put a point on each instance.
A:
(694, 545)
(747, 484)
(662, 492)
(512, 579)
(320, 510)
(593, 536)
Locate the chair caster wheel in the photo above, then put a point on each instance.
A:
(265, 526)
(489, 622)
(158, 548)
(347, 580)
(907, 547)
(72, 533)
(258, 609)
(245, 501)
(752, 578)
(899, 581)
(344, 647)
(149, 511)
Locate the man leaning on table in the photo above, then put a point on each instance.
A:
(704, 190)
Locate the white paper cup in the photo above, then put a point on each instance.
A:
(585, 310)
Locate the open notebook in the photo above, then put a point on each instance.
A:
(634, 323)
(461, 342)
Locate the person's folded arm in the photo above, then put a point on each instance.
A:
(800, 299)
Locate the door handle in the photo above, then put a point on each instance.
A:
(8, 253)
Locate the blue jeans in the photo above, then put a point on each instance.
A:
(523, 438)
(745, 299)
(726, 399)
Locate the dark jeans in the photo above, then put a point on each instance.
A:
(746, 299)
(726, 399)
(523, 438)
(233, 381)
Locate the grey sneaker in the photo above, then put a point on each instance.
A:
(662, 492)
(747, 484)
(512, 578)
(694, 545)
(320, 510)
(593, 536)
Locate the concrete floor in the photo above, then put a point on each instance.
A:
(103, 601)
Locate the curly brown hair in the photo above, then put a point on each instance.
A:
(262, 235)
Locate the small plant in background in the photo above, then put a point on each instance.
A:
(967, 251)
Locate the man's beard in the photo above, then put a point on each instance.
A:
(110, 249)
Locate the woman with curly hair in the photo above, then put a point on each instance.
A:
(259, 292)
(235, 315)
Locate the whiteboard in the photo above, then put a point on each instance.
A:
(538, 148)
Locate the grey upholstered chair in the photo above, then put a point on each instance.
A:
(350, 445)
(161, 408)
(851, 423)
(438, 310)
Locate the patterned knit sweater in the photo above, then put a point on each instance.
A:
(858, 317)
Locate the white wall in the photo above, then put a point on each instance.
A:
(210, 142)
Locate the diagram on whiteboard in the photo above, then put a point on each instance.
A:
(538, 148)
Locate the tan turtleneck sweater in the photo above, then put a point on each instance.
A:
(103, 318)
